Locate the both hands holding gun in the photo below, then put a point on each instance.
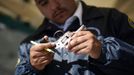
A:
(78, 42)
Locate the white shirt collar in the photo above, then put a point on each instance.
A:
(78, 14)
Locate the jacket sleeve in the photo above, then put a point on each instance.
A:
(24, 67)
(118, 50)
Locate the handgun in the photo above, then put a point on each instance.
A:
(64, 40)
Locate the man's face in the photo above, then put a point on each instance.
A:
(57, 10)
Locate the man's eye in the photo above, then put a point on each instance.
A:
(42, 2)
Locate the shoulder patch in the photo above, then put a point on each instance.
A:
(18, 61)
(131, 23)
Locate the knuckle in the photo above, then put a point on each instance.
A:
(91, 41)
(87, 48)
(73, 42)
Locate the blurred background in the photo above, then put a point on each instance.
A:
(19, 18)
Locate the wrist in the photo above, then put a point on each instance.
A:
(96, 51)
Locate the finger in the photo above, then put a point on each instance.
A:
(85, 50)
(47, 60)
(46, 38)
(78, 47)
(36, 54)
(39, 54)
(40, 47)
(82, 46)
(49, 55)
(82, 33)
(76, 41)
(40, 60)
(47, 45)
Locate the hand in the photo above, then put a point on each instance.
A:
(84, 42)
(39, 57)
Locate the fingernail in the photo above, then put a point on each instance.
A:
(53, 44)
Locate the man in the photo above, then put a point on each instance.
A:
(105, 47)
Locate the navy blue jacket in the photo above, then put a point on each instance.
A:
(113, 28)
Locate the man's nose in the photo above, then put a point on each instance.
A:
(55, 5)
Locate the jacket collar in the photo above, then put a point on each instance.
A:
(90, 12)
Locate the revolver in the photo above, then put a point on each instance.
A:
(63, 41)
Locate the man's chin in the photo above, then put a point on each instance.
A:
(60, 21)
